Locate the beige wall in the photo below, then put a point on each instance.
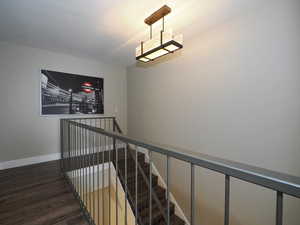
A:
(232, 92)
(109, 195)
(23, 132)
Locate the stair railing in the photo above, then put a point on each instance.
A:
(152, 195)
(86, 145)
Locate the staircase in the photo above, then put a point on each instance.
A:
(37, 195)
(159, 214)
(86, 142)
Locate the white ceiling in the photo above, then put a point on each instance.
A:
(107, 30)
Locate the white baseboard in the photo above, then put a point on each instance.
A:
(29, 161)
(42, 158)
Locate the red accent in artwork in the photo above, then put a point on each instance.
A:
(87, 87)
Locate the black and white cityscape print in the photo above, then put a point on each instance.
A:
(64, 93)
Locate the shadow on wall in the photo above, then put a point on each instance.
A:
(215, 217)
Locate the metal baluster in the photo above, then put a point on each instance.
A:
(69, 147)
(100, 146)
(72, 154)
(168, 190)
(227, 199)
(61, 145)
(109, 187)
(73, 157)
(109, 203)
(150, 192)
(98, 169)
(77, 159)
(86, 166)
(126, 189)
(90, 171)
(66, 147)
(94, 174)
(91, 168)
(103, 151)
(81, 162)
(117, 170)
(192, 194)
(279, 208)
(136, 185)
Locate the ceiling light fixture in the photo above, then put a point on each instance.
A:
(161, 44)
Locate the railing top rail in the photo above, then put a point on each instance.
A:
(270, 179)
(92, 117)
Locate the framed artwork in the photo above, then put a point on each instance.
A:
(65, 93)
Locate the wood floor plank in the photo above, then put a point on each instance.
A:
(37, 195)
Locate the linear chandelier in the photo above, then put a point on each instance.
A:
(159, 45)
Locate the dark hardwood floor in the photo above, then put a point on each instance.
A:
(37, 195)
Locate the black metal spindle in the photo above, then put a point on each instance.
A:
(168, 190)
(227, 199)
(90, 172)
(69, 148)
(136, 185)
(109, 182)
(126, 189)
(61, 144)
(150, 191)
(72, 155)
(109, 185)
(77, 158)
(85, 165)
(94, 164)
(81, 162)
(279, 208)
(98, 175)
(103, 152)
(192, 194)
(117, 159)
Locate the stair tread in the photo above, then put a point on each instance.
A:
(174, 220)
(157, 214)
